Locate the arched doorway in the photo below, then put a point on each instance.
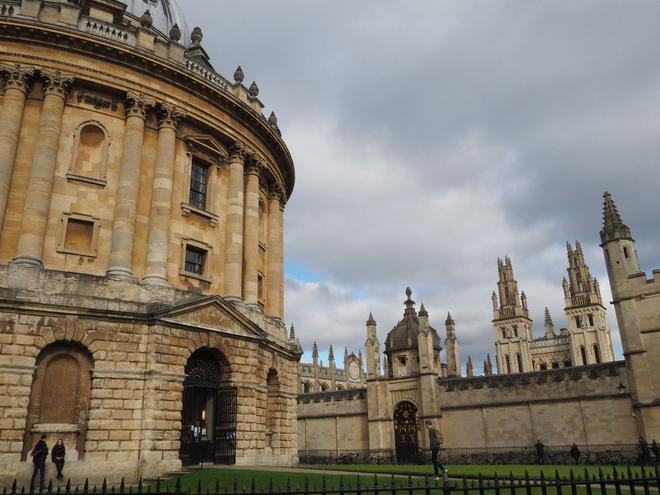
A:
(208, 416)
(406, 425)
(59, 399)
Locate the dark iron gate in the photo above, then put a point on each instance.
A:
(208, 416)
(406, 425)
(225, 427)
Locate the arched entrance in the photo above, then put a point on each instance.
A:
(406, 425)
(208, 417)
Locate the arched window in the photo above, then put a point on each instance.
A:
(307, 388)
(583, 355)
(520, 363)
(90, 153)
(263, 223)
(340, 387)
(555, 365)
(596, 353)
(324, 387)
(515, 330)
(543, 366)
(60, 396)
(567, 364)
(508, 363)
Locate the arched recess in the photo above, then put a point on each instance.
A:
(90, 153)
(308, 388)
(59, 399)
(507, 361)
(274, 410)
(596, 354)
(406, 426)
(208, 416)
(324, 387)
(583, 355)
(519, 362)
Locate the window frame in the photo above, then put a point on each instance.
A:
(72, 174)
(202, 152)
(64, 223)
(205, 276)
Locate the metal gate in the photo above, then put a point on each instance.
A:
(208, 416)
(225, 427)
(405, 432)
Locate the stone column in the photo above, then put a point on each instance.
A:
(123, 228)
(169, 117)
(235, 217)
(274, 260)
(37, 201)
(11, 118)
(251, 236)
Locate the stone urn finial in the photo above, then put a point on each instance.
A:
(196, 36)
(253, 90)
(146, 21)
(272, 119)
(238, 75)
(175, 33)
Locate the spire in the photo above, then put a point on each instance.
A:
(345, 353)
(422, 311)
(450, 320)
(549, 326)
(292, 332)
(489, 364)
(613, 226)
(315, 350)
(468, 367)
(371, 320)
(331, 355)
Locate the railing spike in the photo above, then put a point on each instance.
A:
(199, 486)
(50, 486)
(86, 485)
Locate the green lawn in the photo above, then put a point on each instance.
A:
(242, 481)
(471, 470)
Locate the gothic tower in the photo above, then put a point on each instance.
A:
(512, 324)
(591, 341)
(372, 349)
(452, 348)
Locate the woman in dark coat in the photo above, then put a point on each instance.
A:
(57, 456)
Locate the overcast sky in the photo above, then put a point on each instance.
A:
(431, 137)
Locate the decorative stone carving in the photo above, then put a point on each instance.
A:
(56, 82)
(146, 21)
(238, 150)
(175, 33)
(275, 191)
(96, 101)
(254, 166)
(253, 90)
(169, 115)
(138, 104)
(196, 36)
(238, 75)
(17, 76)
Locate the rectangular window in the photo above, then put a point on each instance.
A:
(195, 260)
(591, 320)
(199, 178)
(260, 288)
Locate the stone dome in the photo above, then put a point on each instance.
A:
(165, 14)
(404, 334)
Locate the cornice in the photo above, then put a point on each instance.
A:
(149, 64)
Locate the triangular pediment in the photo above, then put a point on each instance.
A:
(212, 314)
(206, 144)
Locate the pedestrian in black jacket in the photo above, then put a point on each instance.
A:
(540, 454)
(39, 456)
(57, 456)
(656, 451)
(575, 453)
(644, 452)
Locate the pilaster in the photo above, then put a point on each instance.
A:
(235, 219)
(251, 231)
(275, 268)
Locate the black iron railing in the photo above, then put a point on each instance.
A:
(628, 454)
(628, 483)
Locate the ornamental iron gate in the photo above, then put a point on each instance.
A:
(405, 432)
(208, 416)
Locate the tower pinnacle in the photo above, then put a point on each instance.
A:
(613, 226)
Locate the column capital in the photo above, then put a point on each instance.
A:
(18, 76)
(56, 82)
(276, 192)
(255, 165)
(239, 151)
(169, 115)
(137, 104)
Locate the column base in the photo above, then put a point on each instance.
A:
(27, 261)
(120, 273)
(155, 280)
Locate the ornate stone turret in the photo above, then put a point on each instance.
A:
(452, 348)
(425, 343)
(402, 345)
(549, 326)
(512, 324)
(372, 349)
(315, 354)
(469, 369)
(489, 365)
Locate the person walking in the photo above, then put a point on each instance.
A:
(656, 451)
(540, 454)
(644, 452)
(57, 456)
(39, 456)
(575, 453)
(435, 444)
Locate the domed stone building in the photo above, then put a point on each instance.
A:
(141, 246)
